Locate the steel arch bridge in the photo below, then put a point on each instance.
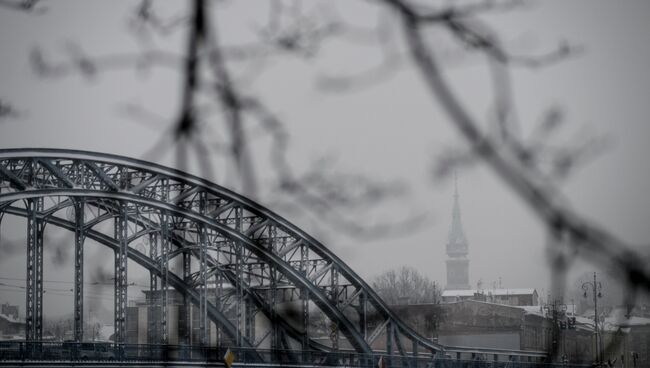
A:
(240, 261)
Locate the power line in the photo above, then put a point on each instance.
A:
(58, 294)
(71, 282)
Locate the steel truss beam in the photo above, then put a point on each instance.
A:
(298, 277)
(150, 264)
(163, 266)
(153, 322)
(121, 277)
(79, 238)
(247, 233)
(34, 288)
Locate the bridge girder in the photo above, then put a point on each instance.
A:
(232, 223)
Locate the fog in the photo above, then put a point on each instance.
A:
(389, 130)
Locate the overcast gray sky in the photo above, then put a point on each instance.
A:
(390, 131)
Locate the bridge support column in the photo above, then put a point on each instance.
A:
(217, 302)
(34, 289)
(79, 238)
(390, 336)
(275, 329)
(187, 306)
(334, 285)
(304, 297)
(203, 271)
(274, 245)
(203, 293)
(363, 314)
(164, 269)
(249, 311)
(121, 257)
(239, 269)
(154, 295)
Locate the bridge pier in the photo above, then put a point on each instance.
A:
(120, 284)
(203, 292)
(217, 302)
(202, 239)
(187, 306)
(79, 238)
(363, 314)
(164, 279)
(390, 335)
(334, 286)
(34, 289)
(153, 336)
(249, 311)
(239, 269)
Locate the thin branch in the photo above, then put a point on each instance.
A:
(232, 108)
(28, 6)
(468, 10)
(7, 110)
(185, 125)
(90, 66)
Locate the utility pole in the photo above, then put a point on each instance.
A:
(595, 287)
(556, 310)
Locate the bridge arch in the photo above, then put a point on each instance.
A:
(232, 239)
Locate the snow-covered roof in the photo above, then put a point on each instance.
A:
(509, 291)
(495, 292)
(618, 318)
(10, 319)
(632, 321)
(458, 293)
(12, 337)
(106, 332)
(532, 309)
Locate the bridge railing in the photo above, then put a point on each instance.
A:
(12, 351)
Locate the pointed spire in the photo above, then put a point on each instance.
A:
(457, 262)
(457, 242)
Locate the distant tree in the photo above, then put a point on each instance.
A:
(405, 286)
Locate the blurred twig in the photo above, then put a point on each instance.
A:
(7, 110)
(28, 6)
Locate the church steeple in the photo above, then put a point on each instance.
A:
(457, 249)
(456, 242)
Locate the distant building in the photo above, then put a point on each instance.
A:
(143, 326)
(10, 310)
(457, 250)
(488, 325)
(625, 337)
(11, 326)
(514, 297)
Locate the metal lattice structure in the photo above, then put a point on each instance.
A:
(240, 261)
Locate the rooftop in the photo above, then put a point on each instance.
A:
(495, 292)
(11, 319)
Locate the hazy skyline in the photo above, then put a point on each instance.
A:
(389, 131)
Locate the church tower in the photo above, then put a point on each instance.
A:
(457, 261)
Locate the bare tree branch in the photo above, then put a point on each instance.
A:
(28, 6)
(7, 110)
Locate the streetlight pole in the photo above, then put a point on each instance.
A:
(595, 288)
(555, 310)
